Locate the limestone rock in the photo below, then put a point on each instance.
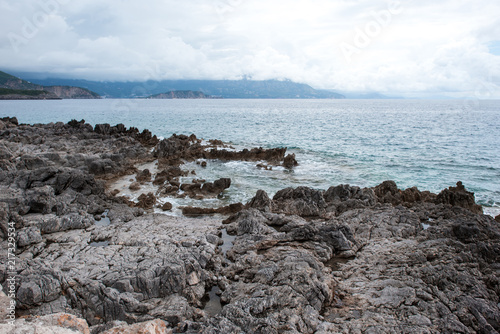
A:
(156, 326)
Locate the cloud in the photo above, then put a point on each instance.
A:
(411, 48)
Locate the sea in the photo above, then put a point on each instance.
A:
(430, 144)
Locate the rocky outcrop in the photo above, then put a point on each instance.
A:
(307, 202)
(289, 161)
(224, 210)
(68, 92)
(342, 260)
(190, 148)
(207, 189)
(60, 323)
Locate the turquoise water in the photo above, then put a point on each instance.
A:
(428, 144)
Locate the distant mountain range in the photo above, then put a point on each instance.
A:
(14, 88)
(182, 94)
(244, 89)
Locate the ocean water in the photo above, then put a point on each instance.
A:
(424, 143)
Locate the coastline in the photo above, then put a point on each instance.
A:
(300, 261)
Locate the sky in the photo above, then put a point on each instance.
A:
(405, 48)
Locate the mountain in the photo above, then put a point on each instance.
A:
(22, 89)
(26, 94)
(270, 89)
(181, 94)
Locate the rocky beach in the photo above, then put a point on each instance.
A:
(340, 260)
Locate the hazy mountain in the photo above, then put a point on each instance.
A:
(181, 94)
(220, 88)
(24, 89)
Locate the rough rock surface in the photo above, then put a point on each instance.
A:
(190, 148)
(341, 260)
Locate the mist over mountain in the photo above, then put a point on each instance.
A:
(260, 89)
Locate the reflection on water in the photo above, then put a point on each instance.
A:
(228, 241)
(99, 244)
(213, 306)
(104, 221)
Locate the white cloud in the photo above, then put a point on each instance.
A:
(423, 47)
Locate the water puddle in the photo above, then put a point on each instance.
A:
(99, 244)
(213, 305)
(104, 219)
(336, 262)
(228, 241)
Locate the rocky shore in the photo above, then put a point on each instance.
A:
(341, 260)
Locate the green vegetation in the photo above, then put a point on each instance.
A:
(7, 91)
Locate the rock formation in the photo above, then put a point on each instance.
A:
(341, 260)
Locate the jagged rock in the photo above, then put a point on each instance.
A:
(40, 199)
(10, 120)
(225, 210)
(102, 129)
(168, 174)
(143, 176)
(189, 148)
(149, 327)
(260, 201)
(134, 186)
(28, 236)
(344, 260)
(458, 196)
(60, 323)
(300, 201)
(206, 189)
(146, 201)
(289, 161)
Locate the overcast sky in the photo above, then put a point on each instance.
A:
(412, 48)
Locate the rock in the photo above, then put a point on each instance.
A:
(41, 199)
(203, 164)
(65, 320)
(60, 323)
(143, 176)
(134, 186)
(206, 189)
(458, 196)
(168, 174)
(344, 260)
(10, 120)
(103, 129)
(260, 201)
(146, 201)
(289, 161)
(156, 326)
(497, 218)
(225, 210)
(301, 201)
(179, 147)
(166, 206)
(28, 236)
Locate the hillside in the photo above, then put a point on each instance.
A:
(181, 94)
(246, 89)
(26, 94)
(25, 90)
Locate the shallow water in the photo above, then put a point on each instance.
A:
(213, 305)
(429, 144)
